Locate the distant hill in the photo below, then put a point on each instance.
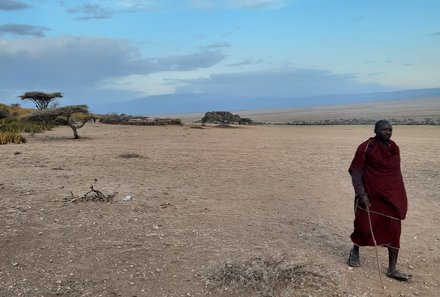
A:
(200, 103)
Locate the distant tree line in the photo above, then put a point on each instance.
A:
(362, 121)
(124, 119)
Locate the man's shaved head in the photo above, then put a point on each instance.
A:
(379, 124)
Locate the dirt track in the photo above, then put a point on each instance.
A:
(202, 197)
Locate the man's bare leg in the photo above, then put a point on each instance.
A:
(393, 254)
(354, 260)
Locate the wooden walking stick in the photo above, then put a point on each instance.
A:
(375, 245)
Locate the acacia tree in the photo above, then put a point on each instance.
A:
(41, 99)
(63, 115)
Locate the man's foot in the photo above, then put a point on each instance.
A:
(353, 259)
(399, 276)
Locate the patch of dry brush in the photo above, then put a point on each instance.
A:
(272, 276)
(92, 195)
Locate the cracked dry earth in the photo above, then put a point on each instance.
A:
(200, 199)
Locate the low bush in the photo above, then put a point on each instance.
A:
(4, 113)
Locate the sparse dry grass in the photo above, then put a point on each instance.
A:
(11, 137)
(269, 276)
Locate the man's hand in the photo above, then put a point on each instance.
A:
(363, 200)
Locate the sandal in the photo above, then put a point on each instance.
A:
(402, 277)
(353, 259)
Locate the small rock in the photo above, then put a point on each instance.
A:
(40, 233)
(127, 198)
(58, 282)
(15, 264)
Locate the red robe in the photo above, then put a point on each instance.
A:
(383, 183)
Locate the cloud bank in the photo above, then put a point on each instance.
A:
(278, 83)
(9, 5)
(76, 65)
(74, 61)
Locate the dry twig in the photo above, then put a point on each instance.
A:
(92, 195)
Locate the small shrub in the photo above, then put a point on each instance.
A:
(4, 113)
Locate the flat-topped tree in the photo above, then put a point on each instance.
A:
(64, 115)
(41, 99)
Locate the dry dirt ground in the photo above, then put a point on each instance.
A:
(204, 199)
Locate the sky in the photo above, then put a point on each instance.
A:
(103, 52)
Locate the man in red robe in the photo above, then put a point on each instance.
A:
(379, 189)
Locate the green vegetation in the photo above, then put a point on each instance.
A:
(74, 116)
(19, 126)
(15, 120)
(11, 126)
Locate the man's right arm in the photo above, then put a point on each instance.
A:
(358, 185)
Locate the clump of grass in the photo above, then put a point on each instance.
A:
(269, 277)
(11, 137)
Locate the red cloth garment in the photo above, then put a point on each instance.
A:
(383, 183)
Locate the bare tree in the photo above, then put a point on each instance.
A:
(41, 99)
(63, 115)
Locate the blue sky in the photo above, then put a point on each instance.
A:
(101, 52)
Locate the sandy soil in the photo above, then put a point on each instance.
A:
(203, 197)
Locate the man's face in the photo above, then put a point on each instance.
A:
(384, 132)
